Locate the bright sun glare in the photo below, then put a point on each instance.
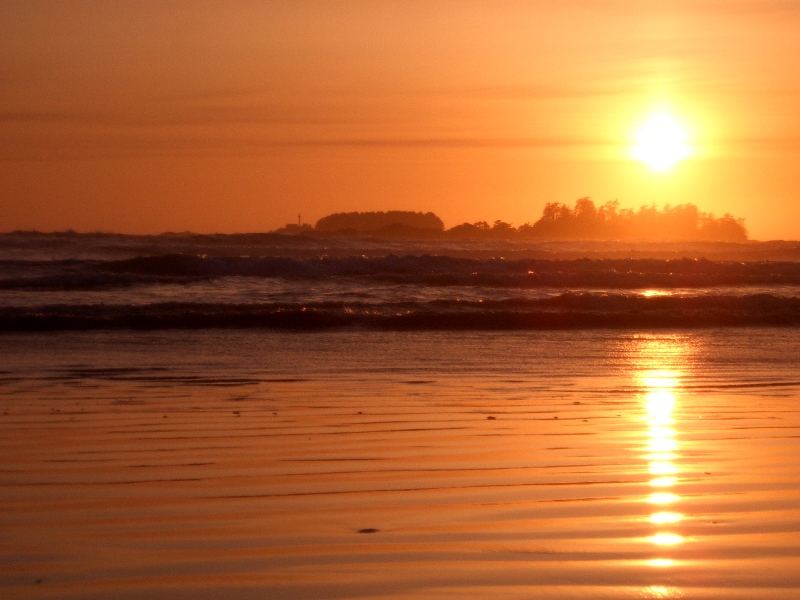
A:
(661, 142)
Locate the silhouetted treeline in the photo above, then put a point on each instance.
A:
(373, 221)
(683, 222)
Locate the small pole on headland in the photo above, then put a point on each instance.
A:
(298, 219)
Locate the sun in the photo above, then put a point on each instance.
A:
(661, 142)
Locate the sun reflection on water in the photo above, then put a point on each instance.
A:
(661, 591)
(655, 293)
(659, 372)
(665, 517)
(662, 482)
(661, 562)
(666, 539)
(663, 498)
(662, 468)
(661, 449)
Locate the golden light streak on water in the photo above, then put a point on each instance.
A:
(662, 446)
(665, 517)
(663, 498)
(666, 539)
(662, 433)
(663, 482)
(662, 468)
(661, 457)
(662, 592)
(655, 293)
(661, 562)
(661, 451)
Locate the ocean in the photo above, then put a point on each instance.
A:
(272, 417)
(80, 282)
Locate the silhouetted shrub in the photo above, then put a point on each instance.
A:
(372, 221)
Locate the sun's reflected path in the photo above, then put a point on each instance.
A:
(660, 367)
(660, 387)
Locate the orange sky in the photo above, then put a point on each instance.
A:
(148, 116)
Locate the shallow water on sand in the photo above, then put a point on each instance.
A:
(237, 464)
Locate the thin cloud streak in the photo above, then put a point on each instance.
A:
(211, 147)
(208, 147)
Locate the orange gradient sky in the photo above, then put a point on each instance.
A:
(149, 116)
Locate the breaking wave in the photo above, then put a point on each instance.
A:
(417, 270)
(569, 310)
(68, 281)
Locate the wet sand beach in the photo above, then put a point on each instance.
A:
(600, 464)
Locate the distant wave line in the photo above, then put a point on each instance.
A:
(567, 311)
(418, 270)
